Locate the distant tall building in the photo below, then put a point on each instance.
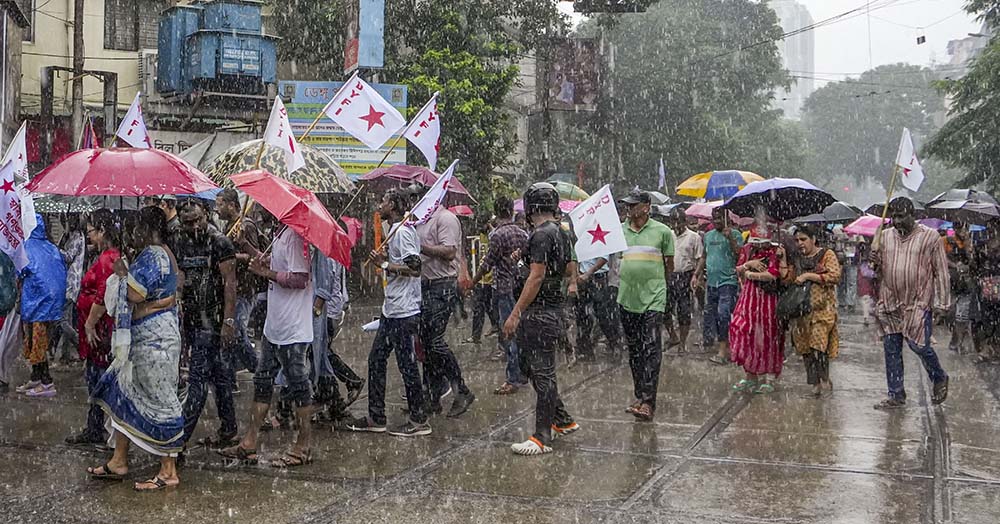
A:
(797, 56)
(961, 51)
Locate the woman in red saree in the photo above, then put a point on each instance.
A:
(756, 340)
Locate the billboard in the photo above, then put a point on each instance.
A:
(305, 100)
(572, 77)
(364, 37)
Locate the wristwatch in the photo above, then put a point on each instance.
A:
(231, 322)
(384, 265)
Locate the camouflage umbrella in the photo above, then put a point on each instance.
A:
(321, 173)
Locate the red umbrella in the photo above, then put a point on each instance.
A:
(462, 211)
(298, 209)
(354, 228)
(385, 178)
(120, 172)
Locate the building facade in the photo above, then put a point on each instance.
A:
(797, 56)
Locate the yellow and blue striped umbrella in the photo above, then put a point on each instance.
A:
(715, 185)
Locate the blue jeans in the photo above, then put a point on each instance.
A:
(95, 415)
(243, 355)
(719, 304)
(893, 345)
(293, 361)
(395, 335)
(505, 305)
(208, 366)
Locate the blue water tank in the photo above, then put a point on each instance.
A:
(215, 45)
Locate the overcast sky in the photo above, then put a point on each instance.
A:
(842, 47)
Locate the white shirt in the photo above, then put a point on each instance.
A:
(402, 294)
(688, 249)
(289, 311)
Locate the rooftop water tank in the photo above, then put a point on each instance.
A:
(216, 46)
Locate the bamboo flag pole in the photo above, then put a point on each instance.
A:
(387, 153)
(885, 209)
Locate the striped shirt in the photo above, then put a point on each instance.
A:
(913, 278)
(643, 285)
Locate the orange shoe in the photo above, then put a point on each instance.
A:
(566, 429)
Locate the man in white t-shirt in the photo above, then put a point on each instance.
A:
(288, 335)
(398, 325)
(688, 252)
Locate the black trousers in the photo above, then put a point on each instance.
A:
(537, 341)
(596, 299)
(483, 306)
(642, 334)
(440, 365)
(395, 335)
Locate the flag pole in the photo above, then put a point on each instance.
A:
(387, 153)
(885, 209)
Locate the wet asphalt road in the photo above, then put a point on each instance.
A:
(709, 457)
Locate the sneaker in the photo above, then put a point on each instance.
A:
(29, 385)
(461, 404)
(530, 447)
(940, 392)
(473, 340)
(42, 391)
(566, 429)
(890, 404)
(497, 356)
(365, 424)
(411, 429)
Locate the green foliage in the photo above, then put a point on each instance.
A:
(969, 140)
(853, 127)
(681, 90)
(466, 49)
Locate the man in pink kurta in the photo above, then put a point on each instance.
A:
(912, 272)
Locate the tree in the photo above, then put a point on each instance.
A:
(968, 141)
(681, 87)
(466, 49)
(853, 127)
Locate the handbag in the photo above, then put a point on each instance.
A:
(795, 301)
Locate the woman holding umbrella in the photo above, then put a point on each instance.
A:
(139, 390)
(815, 334)
(756, 340)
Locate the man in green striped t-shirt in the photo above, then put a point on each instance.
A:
(642, 297)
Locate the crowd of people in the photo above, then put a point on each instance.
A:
(168, 301)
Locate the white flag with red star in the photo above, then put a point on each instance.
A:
(11, 233)
(425, 131)
(363, 113)
(133, 128)
(17, 156)
(597, 226)
(279, 134)
(912, 174)
(432, 200)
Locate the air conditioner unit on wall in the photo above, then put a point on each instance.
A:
(147, 75)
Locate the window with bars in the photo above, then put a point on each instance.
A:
(28, 8)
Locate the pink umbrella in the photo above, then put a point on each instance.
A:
(864, 226)
(462, 210)
(354, 229)
(703, 210)
(386, 178)
(565, 205)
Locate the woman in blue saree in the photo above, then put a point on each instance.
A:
(138, 392)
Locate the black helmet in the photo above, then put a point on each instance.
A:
(541, 197)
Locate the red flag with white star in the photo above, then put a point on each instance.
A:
(911, 173)
(363, 113)
(11, 231)
(598, 230)
(424, 131)
(133, 128)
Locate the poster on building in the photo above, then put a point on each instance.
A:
(573, 74)
(307, 100)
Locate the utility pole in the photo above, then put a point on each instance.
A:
(78, 67)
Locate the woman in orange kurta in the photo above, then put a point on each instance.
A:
(815, 335)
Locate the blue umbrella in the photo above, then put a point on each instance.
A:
(781, 198)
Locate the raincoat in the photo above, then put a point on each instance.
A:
(43, 288)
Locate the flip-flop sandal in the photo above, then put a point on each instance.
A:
(240, 454)
(292, 460)
(505, 389)
(763, 389)
(716, 359)
(157, 482)
(744, 385)
(107, 474)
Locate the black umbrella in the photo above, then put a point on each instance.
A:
(919, 210)
(965, 211)
(781, 198)
(971, 195)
